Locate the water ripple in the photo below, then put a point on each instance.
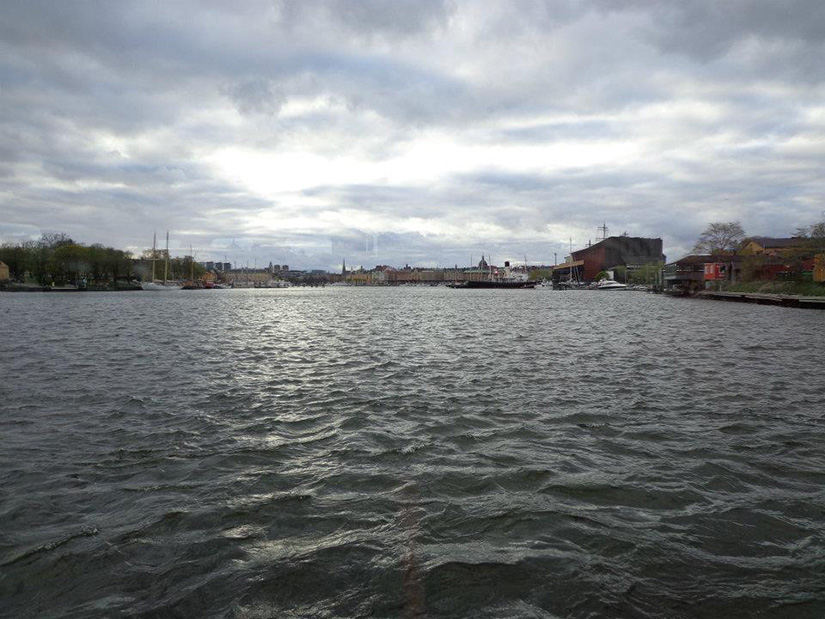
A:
(410, 452)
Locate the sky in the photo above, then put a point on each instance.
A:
(421, 132)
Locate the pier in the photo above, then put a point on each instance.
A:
(765, 299)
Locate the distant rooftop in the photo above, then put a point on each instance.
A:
(770, 241)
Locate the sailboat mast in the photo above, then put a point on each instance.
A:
(154, 253)
(166, 263)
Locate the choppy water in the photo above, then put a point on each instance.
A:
(409, 453)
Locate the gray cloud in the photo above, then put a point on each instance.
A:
(256, 97)
(437, 129)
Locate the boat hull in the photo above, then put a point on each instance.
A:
(507, 285)
(611, 285)
(155, 287)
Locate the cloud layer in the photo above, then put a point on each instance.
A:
(387, 132)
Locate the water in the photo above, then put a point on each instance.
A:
(409, 452)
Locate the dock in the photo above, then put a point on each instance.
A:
(765, 299)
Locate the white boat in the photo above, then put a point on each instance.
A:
(159, 286)
(156, 285)
(610, 284)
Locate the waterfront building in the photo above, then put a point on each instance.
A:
(631, 252)
(4, 272)
(699, 271)
(687, 273)
(247, 277)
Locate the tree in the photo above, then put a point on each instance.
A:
(68, 263)
(720, 237)
(15, 258)
(38, 257)
(752, 267)
(648, 273)
(813, 235)
(53, 240)
(537, 275)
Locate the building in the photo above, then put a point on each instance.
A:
(699, 271)
(771, 246)
(819, 268)
(4, 272)
(780, 258)
(216, 266)
(631, 252)
(247, 277)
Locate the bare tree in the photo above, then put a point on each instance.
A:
(53, 240)
(814, 231)
(720, 237)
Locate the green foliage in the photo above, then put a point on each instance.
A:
(648, 274)
(751, 266)
(56, 258)
(15, 257)
(801, 288)
(537, 275)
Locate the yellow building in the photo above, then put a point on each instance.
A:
(359, 278)
(819, 268)
(770, 246)
(4, 272)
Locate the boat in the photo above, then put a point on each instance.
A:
(508, 281)
(164, 285)
(610, 284)
(498, 284)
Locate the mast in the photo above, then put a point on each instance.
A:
(154, 253)
(166, 262)
(191, 264)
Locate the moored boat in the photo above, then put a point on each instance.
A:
(498, 284)
(165, 285)
(610, 284)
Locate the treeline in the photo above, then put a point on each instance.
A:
(58, 259)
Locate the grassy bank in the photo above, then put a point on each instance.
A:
(805, 289)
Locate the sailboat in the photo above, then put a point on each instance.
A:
(155, 285)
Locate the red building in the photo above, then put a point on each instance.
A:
(628, 251)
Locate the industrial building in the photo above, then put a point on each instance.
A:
(631, 252)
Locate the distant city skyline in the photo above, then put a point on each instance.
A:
(392, 132)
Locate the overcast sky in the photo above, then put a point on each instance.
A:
(420, 132)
